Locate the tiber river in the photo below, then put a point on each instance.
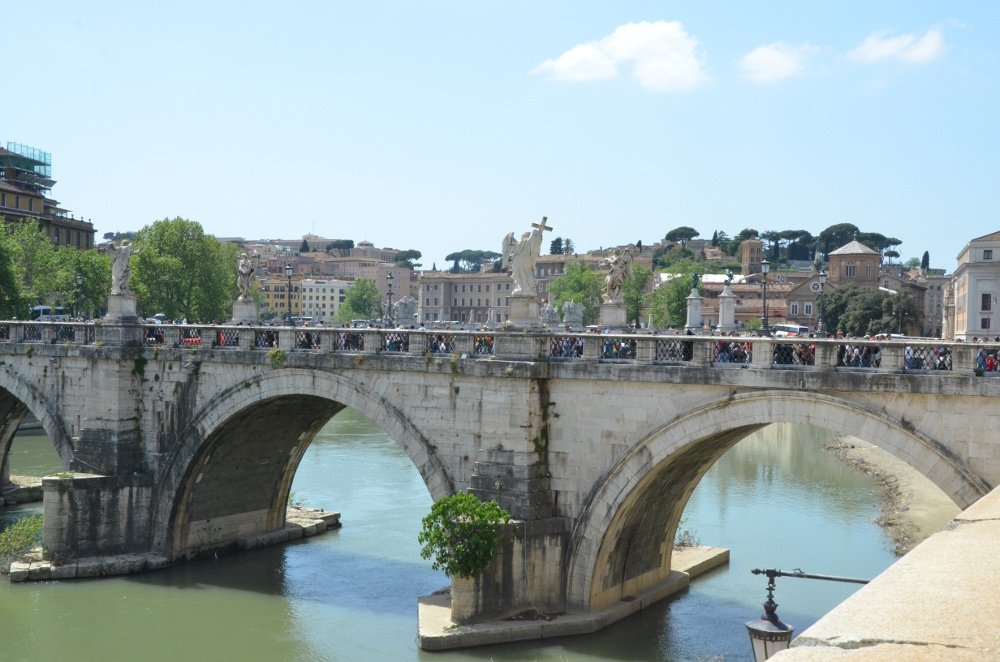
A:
(776, 500)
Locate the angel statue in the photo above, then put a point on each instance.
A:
(520, 256)
(620, 268)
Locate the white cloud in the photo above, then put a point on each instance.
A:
(909, 48)
(775, 62)
(663, 55)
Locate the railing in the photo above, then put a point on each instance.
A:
(919, 356)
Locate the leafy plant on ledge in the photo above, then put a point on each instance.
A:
(460, 533)
(276, 356)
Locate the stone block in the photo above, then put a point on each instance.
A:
(64, 571)
(39, 571)
(19, 571)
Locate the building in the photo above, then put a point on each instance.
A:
(467, 298)
(975, 287)
(25, 184)
(854, 264)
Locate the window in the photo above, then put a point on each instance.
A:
(985, 303)
(988, 254)
(808, 307)
(984, 323)
(793, 309)
(850, 270)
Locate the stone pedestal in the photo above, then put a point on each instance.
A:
(122, 308)
(727, 311)
(523, 312)
(613, 316)
(694, 320)
(246, 312)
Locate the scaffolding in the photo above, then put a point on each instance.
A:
(27, 167)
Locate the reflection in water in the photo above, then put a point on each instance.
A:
(776, 499)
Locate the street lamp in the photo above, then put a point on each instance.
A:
(768, 635)
(765, 267)
(388, 294)
(79, 286)
(288, 273)
(820, 333)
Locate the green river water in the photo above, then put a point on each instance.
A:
(777, 499)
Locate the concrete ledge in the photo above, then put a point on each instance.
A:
(940, 601)
(299, 523)
(436, 631)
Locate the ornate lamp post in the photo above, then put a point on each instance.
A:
(388, 294)
(288, 273)
(765, 268)
(79, 289)
(819, 326)
(768, 635)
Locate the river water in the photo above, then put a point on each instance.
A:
(777, 499)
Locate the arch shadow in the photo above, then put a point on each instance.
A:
(230, 471)
(17, 399)
(623, 540)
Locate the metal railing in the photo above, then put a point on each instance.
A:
(917, 356)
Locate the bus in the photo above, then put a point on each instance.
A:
(49, 314)
(789, 330)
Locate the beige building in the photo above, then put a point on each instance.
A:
(25, 183)
(476, 298)
(975, 287)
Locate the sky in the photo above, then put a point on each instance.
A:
(441, 125)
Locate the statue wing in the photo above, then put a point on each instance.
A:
(507, 250)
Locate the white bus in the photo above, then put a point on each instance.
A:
(49, 314)
(789, 330)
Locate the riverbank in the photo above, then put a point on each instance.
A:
(912, 508)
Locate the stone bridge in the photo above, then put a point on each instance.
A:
(182, 440)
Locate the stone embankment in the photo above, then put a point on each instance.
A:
(912, 508)
(23, 489)
(299, 523)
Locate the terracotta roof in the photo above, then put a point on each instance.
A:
(854, 248)
(993, 236)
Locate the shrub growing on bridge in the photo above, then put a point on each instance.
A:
(19, 538)
(460, 533)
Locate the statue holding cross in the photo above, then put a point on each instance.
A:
(521, 255)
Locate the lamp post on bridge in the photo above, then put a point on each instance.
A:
(76, 300)
(388, 294)
(288, 294)
(820, 333)
(765, 268)
(768, 635)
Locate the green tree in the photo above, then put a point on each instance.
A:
(681, 235)
(342, 246)
(182, 272)
(304, 247)
(862, 311)
(835, 236)
(668, 302)
(407, 258)
(556, 247)
(12, 302)
(568, 247)
(461, 534)
(470, 260)
(634, 292)
(579, 284)
(925, 261)
(362, 300)
(34, 259)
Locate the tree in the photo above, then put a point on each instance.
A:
(342, 246)
(182, 272)
(470, 261)
(681, 235)
(890, 256)
(835, 236)
(460, 533)
(579, 284)
(362, 300)
(406, 258)
(556, 247)
(634, 292)
(664, 257)
(12, 303)
(568, 247)
(925, 261)
(668, 302)
(912, 263)
(304, 248)
(862, 311)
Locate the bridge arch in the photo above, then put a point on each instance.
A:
(622, 542)
(17, 398)
(249, 440)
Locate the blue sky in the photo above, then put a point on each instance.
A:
(442, 126)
